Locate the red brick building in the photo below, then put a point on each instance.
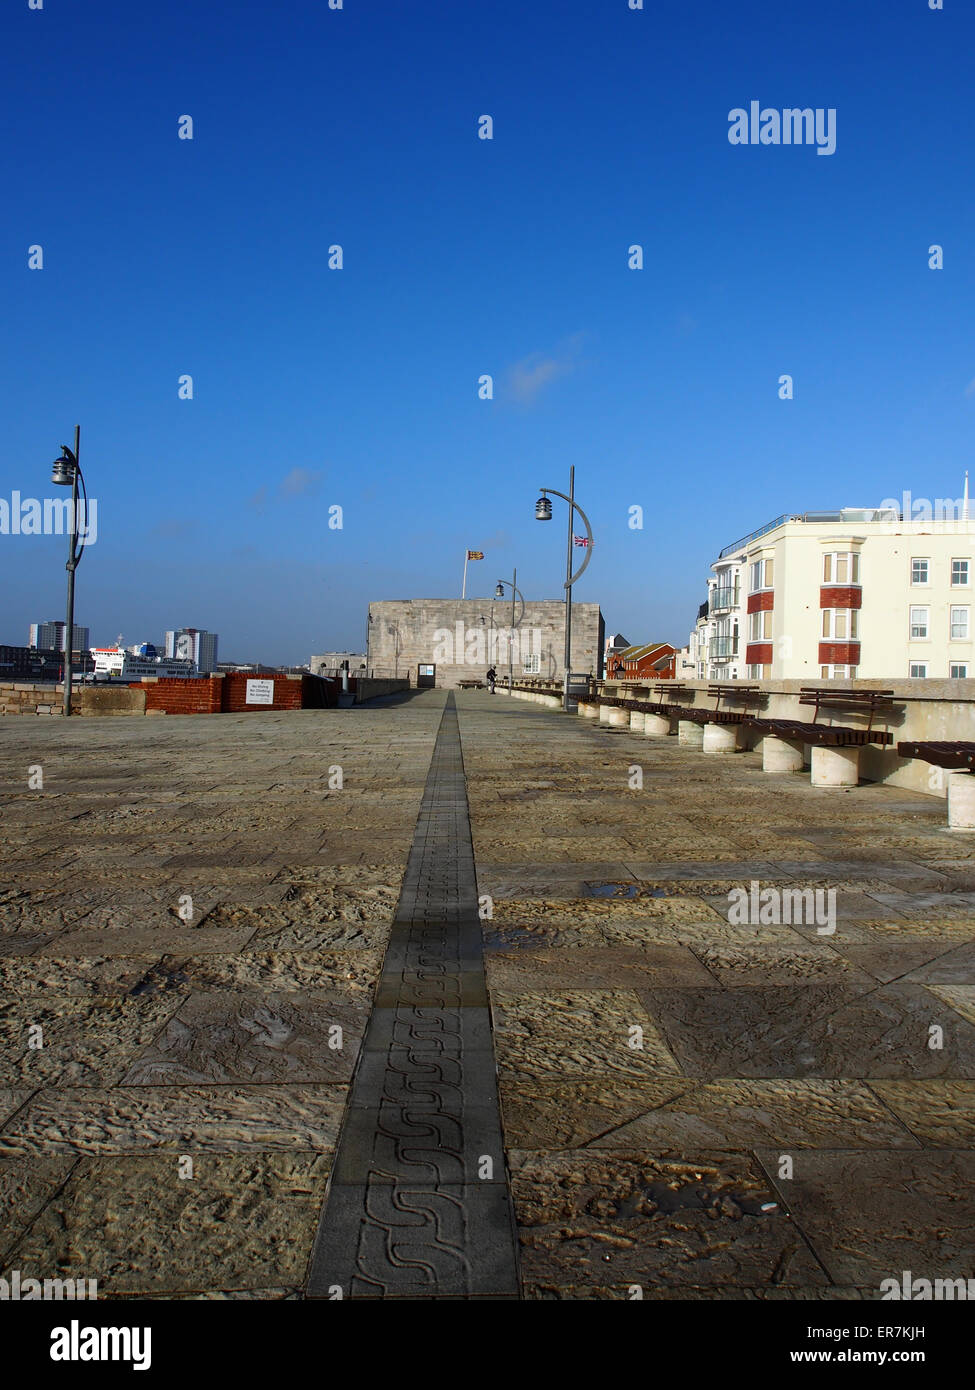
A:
(654, 661)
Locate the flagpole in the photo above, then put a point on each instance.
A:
(463, 592)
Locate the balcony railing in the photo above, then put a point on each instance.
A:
(724, 598)
(723, 648)
(753, 535)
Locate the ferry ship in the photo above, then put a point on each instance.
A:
(116, 663)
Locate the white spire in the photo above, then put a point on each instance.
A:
(964, 505)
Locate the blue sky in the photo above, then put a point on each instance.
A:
(358, 387)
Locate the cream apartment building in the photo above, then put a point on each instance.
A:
(857, 593)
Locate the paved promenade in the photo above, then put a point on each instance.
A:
(194, 921)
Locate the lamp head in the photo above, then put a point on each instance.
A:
(543, 509)
(499, 591)
(63, 468)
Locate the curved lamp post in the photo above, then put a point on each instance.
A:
(512, 584)
(66, 472)
(543, 512)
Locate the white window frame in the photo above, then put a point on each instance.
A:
(760, 630)
(958, 671)
(765, 572)
(961, 560)
(964, 618)
(533, 664)
(838, 673)
(831, 624)
(831, 567)
(924, 622)
(917, 560)
(917, 671)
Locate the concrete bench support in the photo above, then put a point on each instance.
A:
(690, 734)
(604, 713)
(779, 755)
(720, 738)
(637, 721)
(587, 710)
(835, 767)
(618, 718)
(656, 725)
(961, 800)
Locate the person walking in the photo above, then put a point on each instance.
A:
(492, 676)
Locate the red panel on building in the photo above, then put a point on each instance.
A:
(758, 654)
(841, 596)
(761, 603)
(839, 653)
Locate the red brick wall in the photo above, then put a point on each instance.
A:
(176, 695)
(287, 691)
(228, 693)
(758, 654)
(835, 596)
(760, 603)
(839, 653)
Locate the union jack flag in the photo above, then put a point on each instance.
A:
(582, 540)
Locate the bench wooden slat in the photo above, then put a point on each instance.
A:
(940, 753)
(830, 735)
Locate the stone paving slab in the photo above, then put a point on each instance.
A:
(136, 1226)
(215, 1119)
(869, 1215)
(256, 1037)
(801, 1042)
(607, 909)
(655, 1219)
(224, 1021)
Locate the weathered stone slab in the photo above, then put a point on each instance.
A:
(241, 1222)
(869, 1215)
(940, 1113)
(569, 1114)
(83, 1042)
(578, 1033)
(732, 1115)
(598, 1218)
(253, 1037)
(194, 1119)
(619, 968)
(26, 1184)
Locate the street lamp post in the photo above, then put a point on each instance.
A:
(543, 512)
(66, 472)
(512, 584)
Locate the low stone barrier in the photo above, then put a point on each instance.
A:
(928, 710)
(371, 687)
(26, 697)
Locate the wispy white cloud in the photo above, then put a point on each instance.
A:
(300, 482)
(171, 528)
(528, 378)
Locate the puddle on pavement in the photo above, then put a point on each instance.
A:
(515, 939)
(621, 890)
(158, 979)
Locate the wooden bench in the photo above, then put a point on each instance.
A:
(869, 702)
(672, 690)
(744, 694)
(957, 756)
(471, 685)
